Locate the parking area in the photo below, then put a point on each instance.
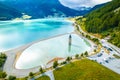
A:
(107, 59)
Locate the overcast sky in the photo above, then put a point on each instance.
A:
(82, 3)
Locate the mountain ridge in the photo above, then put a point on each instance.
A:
(43, 8)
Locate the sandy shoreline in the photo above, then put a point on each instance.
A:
(14, 55)
(16, 58)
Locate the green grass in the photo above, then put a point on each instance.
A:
(43, 78)
(116, 56)
(85, 70)
(21, 79)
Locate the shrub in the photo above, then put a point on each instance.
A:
(12, 78)
(64, 62)
(3, 74)
(116, 56)
(55, 64)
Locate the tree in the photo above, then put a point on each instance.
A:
(12, 77)
(2, 55)
(104, 21)
(68, 59)
(41, 70)
(3, 74)
(82, 55)
(2, 59)
(86, 53)
(31, 74)
(76, 56)
(55, 64)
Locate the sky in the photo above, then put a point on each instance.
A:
(82, 3)
(79, 3)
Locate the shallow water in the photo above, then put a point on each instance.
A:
(17, 33)
(39, 54)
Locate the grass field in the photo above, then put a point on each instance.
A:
(85, 70)
(43, 78)
(21, 79)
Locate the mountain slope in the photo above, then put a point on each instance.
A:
(105, 21)
(42, 8)
(39, 9)
(7, 13)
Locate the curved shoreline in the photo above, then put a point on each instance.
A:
(14, 55)
(20, 53)
(9, 65)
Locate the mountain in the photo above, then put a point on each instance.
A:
(39, 9)
(42, 8)
(105, 21)
(7, 13)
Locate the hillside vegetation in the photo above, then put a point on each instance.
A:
(105, 21)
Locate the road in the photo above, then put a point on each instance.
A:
(80, 29)
(102, 41)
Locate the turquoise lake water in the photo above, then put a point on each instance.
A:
(14, 34)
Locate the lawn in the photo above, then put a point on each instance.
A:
(43, 78)
(21, 79)
(85, 70)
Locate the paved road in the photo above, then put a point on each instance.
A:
(103, 41)
(80, 29)
(50, 74)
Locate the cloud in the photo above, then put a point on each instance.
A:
(82, 3)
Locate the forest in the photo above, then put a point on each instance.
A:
(105, 21)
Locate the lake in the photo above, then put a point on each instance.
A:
(14, 34)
